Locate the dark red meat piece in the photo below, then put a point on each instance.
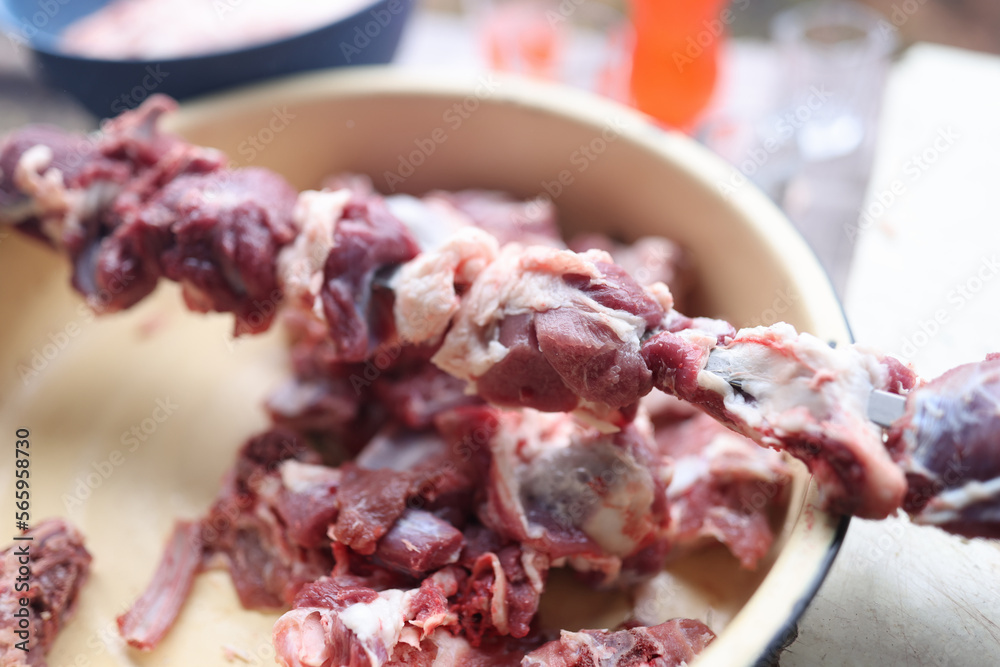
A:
(418, 543)
(59, 566)
(948, 441)
(367, 239)
(151, 616)
(225, 230)
(371, 501)
(524, 377)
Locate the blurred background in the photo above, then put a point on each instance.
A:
(789, 92)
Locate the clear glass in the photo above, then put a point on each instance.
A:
(835, 56)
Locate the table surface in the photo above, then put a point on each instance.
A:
(925, 286)
(921, 286)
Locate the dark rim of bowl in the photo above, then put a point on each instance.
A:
(48, 43)
(789, 631)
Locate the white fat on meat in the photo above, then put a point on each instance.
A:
(525, 432)
(794, 379)
(948, 506)
(378, 624)
(726, 457)
(300, 637)
(498, 592)
(432, 222)
(792, 383)
(300, 477)
(307, 636)
(300, 264)
(550, 467)
(400, 451)
(61, 211)
(530, 560)
(661, 293)
(524, 280)
(425, 287)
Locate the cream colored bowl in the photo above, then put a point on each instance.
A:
(135, 417)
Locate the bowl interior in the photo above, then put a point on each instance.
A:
(83, 386)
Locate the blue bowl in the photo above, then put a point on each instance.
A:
(108, 87)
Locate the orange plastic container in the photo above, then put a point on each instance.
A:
(676, 54)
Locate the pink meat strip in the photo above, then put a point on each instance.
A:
(149, 619)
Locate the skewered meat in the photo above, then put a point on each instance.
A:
(553, 330)
(795, 393)
(378, 289)
(650, 260)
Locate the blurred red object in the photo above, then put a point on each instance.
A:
(520, 37)
(676, 54)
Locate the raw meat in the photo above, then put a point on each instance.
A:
(553, 330)
(133, 204)
(495, 388)
(722, 487)
(947, 443)
(489, 593)
(671, 644)
(649, 259)
(149, 619)
(793, 392)
(59, 565)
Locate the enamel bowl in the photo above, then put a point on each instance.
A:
(135, 417)
(367, 33)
